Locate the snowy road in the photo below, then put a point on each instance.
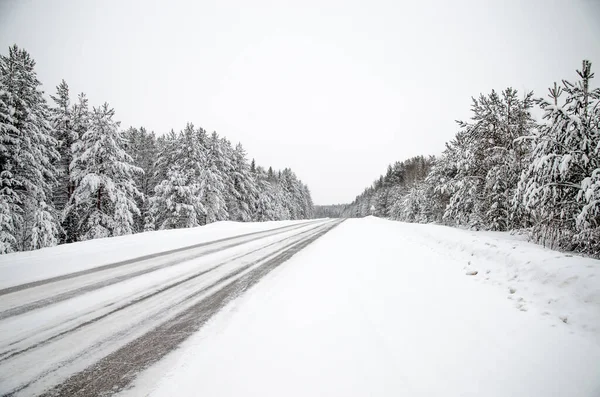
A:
(372, 307)
(381, 308)
(89, 332)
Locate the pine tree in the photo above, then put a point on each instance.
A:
(104, 199)
(244, 193)
(412, 205)
(27, 157)
(177, 203)
(66, 135)
(561, 187)
(488, 153)
(68, 174)
(265, 203)
(169, 152)
(213, 182)
(437, 190)
(142, 147)
(10, 210)
(80, 115)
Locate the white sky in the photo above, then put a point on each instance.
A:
(336, 90)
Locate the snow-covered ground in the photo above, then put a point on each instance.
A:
(24, 267)
(383, 308)
(57, 328)
(562, 286)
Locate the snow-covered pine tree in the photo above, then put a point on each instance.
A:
(176, 203)
(104, 199)
(225, 167)
(383, 202)
(80, 115)
(243, 196)
(141, 146)
(66, 135)
(488, 152)
(177, 196)
(465, 188)
(561, 187)
(507, 124)
(27, 157)
(270, 174)
(307, 202)
(288, 184)
(213, 182)
(265, 203)
(437, 189)
(169, 151)
(412, 204)
(10, 211)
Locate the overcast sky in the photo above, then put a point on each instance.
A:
(336, 90)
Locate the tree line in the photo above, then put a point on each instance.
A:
(504, 170)
(69, 173)
(329, 211)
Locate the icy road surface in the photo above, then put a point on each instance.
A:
(90, 329)
(380, 308)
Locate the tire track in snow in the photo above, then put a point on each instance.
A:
(6, 355)
(159, 341)
(110, 281)
(117, 370)
(100, 268)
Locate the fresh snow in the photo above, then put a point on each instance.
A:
(559, 285)
(53, 341)
(24, 267)
(385, 308)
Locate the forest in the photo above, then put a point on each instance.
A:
(68, 172)
(506, 171)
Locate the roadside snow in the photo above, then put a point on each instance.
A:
(24, 267)
(562, 286)
(382, 308)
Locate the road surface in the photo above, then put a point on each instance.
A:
(382, 308)
(318, 308)
(90, 332)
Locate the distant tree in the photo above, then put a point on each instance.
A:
(329, 211)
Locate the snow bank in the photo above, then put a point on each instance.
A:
(24, 267)
(556, 284)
